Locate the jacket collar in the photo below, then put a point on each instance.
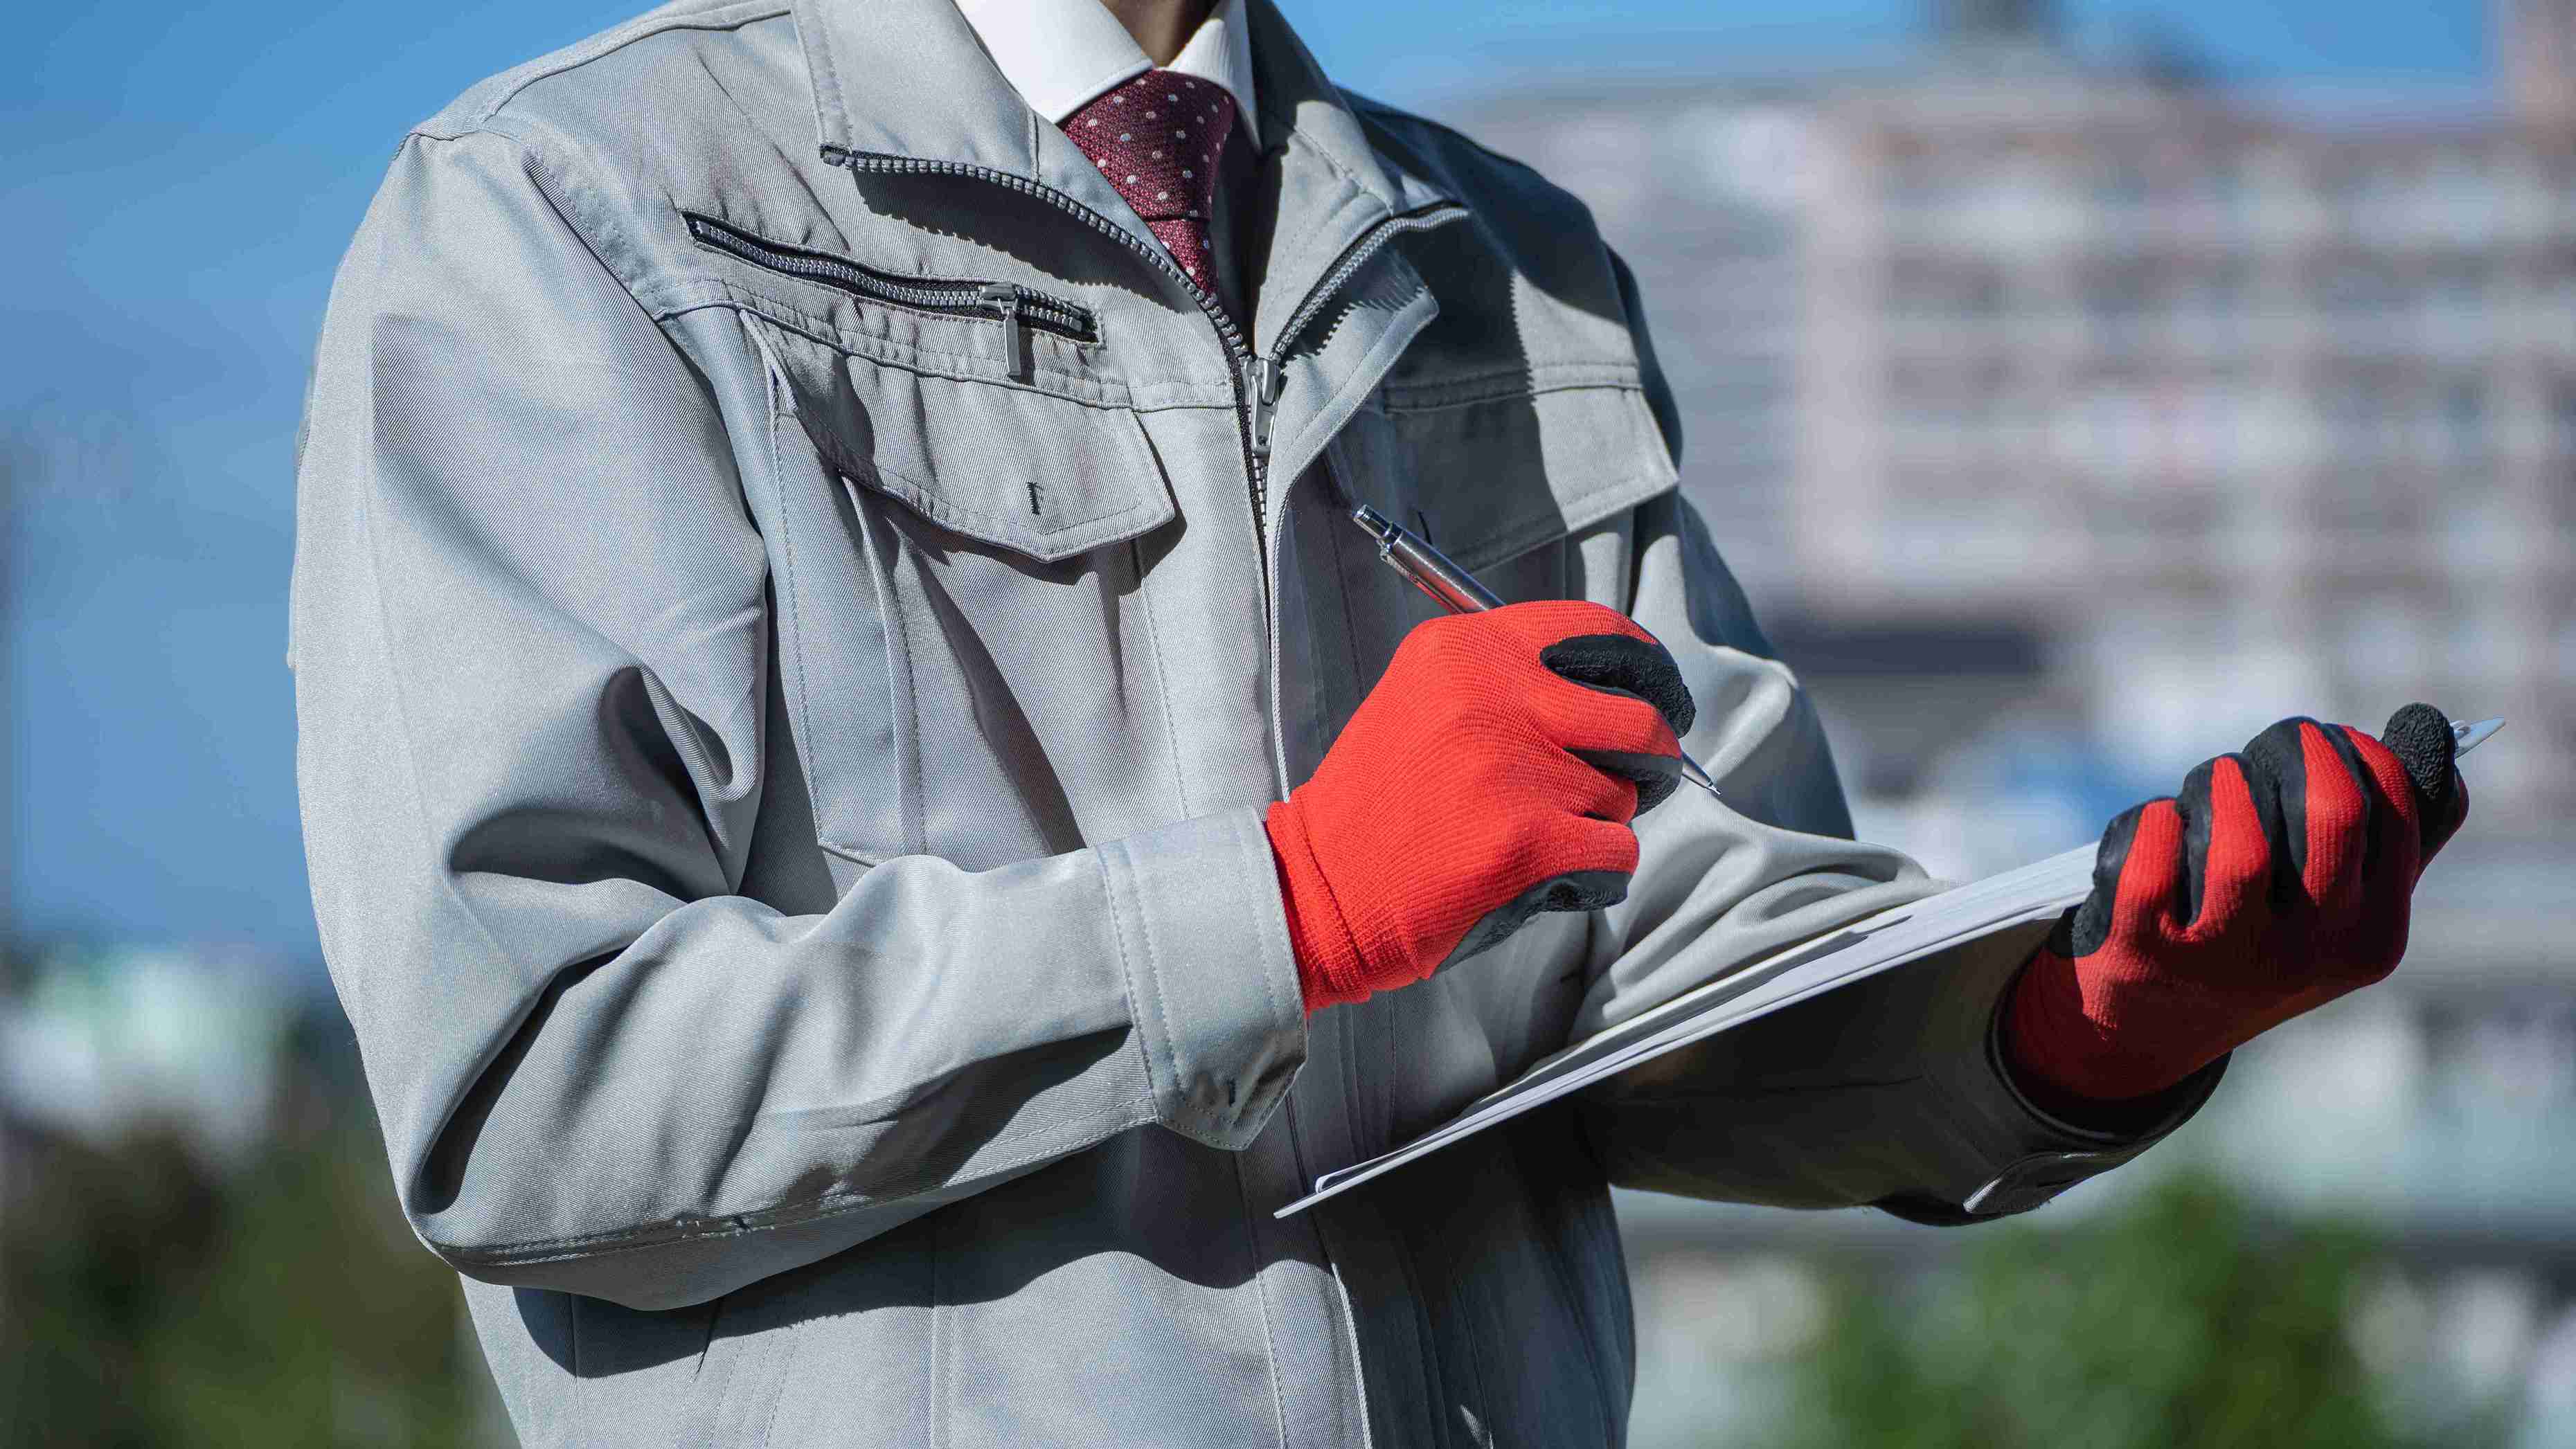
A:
(908, 78)
(1060, 55)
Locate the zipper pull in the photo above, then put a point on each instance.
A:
(1004, 298)
(1268, 378)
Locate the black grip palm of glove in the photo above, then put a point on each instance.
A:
(1639, 669)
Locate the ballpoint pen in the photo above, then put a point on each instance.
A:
(1455, 589)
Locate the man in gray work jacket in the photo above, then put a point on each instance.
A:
(842, 735)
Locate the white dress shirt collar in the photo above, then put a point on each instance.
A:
(1059, 54)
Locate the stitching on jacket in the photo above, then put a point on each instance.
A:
(1459, 1288)
(1357, 195)
(1484, 1437)
(1334, 448)
(673, 297)
(1261, 1295)
(1162, 678)
(1506, 385)
(787, 549)
(1257, 842)
(1349, 177)
(718, 1393)
(957, 366)
(1162, 1005)
(926, 498)
(915, 806)
(902, 694)
(550, 183)
(890, 622)
(1005, 528)
(572, 1315)
(839, 253)
(933, 1385)
(778, 1379)
(1126, 966)
(732, 17)
(1426, 1342)
(831, 112)
(942, 604)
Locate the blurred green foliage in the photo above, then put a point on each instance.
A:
(2180, 1322)
(145, 1300)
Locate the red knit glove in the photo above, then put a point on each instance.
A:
(2277, 881)
(1489, 776)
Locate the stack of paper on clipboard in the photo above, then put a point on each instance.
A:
(1878, 943)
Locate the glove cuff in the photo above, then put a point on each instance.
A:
(1330, 968)
(2065, 1061)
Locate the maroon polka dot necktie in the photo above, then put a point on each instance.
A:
(1157, 138)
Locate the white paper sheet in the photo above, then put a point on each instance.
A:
(1882, 942)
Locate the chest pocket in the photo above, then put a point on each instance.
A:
(954, 504)
(1499, 473)
(1502, 481)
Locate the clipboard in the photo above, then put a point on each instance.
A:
(1888, 941)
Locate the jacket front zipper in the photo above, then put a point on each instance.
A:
(1257, 383)
(1008, 303)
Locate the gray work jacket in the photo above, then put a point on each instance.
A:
(798, 614)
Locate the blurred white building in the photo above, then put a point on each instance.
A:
(2240, 406)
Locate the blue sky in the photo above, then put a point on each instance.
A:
(179, 181)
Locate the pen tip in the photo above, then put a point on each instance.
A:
(2466, 737)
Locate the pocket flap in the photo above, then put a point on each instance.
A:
(1038, 474)
(1042, 475)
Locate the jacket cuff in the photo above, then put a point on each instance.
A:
(2032, 1155)
(1202, 937)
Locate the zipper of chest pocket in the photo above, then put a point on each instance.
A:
(1257, 380)
(1011, 305)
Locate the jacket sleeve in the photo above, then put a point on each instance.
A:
(1889, 1092)
(530, 631)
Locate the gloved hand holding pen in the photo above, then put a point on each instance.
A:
(1490, 775)
(2279, 879)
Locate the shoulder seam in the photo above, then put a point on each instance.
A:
(553, 186)
(581, 53)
